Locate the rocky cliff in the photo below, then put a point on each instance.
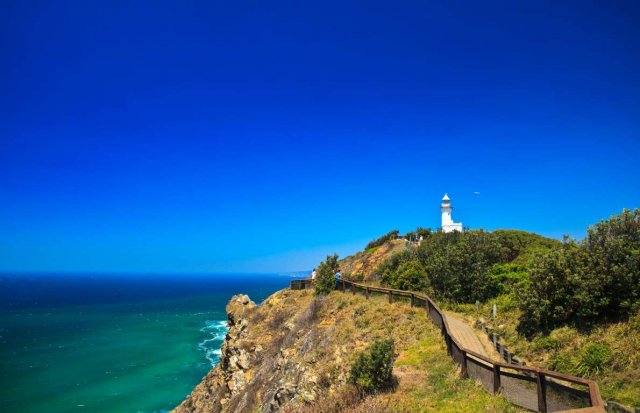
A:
(294, 349)
(258, 369)
(293, 353)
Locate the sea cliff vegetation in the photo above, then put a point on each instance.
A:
(569, 305)
(299, 352)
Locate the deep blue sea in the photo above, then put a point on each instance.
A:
(113, 343)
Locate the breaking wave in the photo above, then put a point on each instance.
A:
(216, 330)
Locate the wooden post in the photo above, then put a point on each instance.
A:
(496, 378)
(413, 299)
(447, 339)
(463, 366)
(366, 293)
(542, 392)
(390, 297)
(353, 289)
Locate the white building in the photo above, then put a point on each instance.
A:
(447, 222)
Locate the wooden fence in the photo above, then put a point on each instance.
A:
(528, 387)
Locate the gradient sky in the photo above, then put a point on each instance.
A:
(204, 136)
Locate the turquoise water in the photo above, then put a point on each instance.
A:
(112, 344)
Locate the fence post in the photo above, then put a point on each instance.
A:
(413, 298)
(353, 289)
(366, 292)
(542, 392)
(463, 366)
(496, 378)
(447, 340)
(390, 297)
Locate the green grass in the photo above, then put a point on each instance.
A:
(608, 354)
(429, 380)
(439, 387)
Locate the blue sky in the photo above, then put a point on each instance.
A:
(260, 136)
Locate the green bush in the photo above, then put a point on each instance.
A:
(464, 267)
(410, 275)
(373, 370)
(586, 283)
(592, 360)
(325, 281)
(546, 343)
(379, 241)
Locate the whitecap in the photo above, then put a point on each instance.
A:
(217, 330)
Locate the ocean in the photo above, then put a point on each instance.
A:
(113, 343)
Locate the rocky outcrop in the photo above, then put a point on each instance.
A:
(294, 352)
(261, 368)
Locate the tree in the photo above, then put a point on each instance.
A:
(325, 280)
(410, 275)
(586, 283)
(457, 264)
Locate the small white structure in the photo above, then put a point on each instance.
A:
(447, 222)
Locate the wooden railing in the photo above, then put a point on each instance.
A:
(532, 388)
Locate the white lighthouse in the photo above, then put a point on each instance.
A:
(447, 222)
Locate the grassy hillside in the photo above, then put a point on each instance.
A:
(428, 380)
(608, 353)
(572, 306)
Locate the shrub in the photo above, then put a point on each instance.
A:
(373, 370)
(546, 343)
(410, 275)
(379, 241)
(325, 280)
(592, 360)
(457, 264)
(582, 284)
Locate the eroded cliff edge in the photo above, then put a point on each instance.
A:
(268, 357)
(293, 353)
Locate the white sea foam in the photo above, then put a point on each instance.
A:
(217, 330)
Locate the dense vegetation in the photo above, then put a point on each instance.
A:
(465, 267)
(372, 371)
(379, 241)
(553, 283)
(584, 283)
(571, 306)
(325, 280)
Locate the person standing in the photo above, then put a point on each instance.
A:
(313, 274)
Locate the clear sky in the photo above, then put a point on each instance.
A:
(205, 136)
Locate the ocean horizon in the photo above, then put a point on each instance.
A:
(113, 342)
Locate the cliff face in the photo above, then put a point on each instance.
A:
(293, 353)
(257, 370)
(294, 349)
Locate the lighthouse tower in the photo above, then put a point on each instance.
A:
(447, 222)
